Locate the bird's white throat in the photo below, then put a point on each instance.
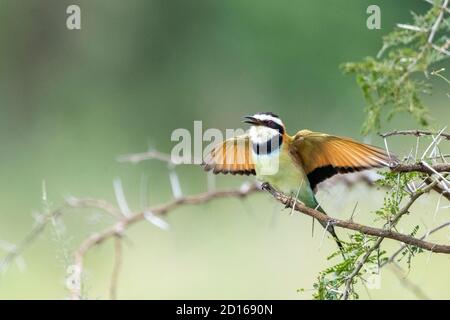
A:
(261, 134)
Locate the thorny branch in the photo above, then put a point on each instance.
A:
(403, 247)
(289, 202)
(123, 222)
(438, 21)
(417, 133)
(118, 229)
(116, 269)
(393, 222)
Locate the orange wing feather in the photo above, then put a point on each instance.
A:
(322, 155)
(231, 156)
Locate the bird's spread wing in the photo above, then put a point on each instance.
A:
(323, 155)
(231, 156)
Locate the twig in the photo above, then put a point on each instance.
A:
(105, 206)
(119, 227)
(434, 4)
(436, 24)
(408, 284)
(420, 167)
(87, 203)
(439, 189)
(29, 238)
(417, 133)
(437, 73)
(441, 49)
(392, 223)
(357, 269)
(116, 268)
(404, 246)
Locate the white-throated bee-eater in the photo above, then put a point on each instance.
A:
(294, 165)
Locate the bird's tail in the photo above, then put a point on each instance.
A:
(330, 228)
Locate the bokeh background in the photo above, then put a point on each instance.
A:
(72, 101)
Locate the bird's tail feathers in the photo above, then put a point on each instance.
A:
(330, 228)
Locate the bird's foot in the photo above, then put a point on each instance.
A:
(265, 186)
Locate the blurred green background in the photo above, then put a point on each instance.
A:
(72, 101)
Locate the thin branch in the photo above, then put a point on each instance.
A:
(408, 284)
(434, 4)
(421, 167)
(417, 133)
(105, 206)
(29, 238)
(44, 219)
(438, 21)
(404, 246)
(116, 268)
(358, 267)
(441, 49)
(392, 223)
(119, 227)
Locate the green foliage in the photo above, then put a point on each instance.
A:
(410, 251)
(397, 184)
(390, 82)
(330, 284)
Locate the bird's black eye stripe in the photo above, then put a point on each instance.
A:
(274, 125)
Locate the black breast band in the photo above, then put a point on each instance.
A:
(268, 146)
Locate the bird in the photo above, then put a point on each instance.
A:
(293, 165)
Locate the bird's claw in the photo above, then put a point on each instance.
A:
(265, 186)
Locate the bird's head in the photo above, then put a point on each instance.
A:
(265, 126)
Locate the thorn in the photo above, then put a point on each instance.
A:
(387, 149)
(432, 143)
(175, 184)
(296, 197)
(155, 220)
(324, 232)
(120, 198)
(353, 212)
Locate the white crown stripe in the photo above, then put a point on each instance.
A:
(265, 117)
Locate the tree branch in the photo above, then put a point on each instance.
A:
(417, 133)
(420, 167)
(117, 229)
(116, 268)
(403, 247)
(392, 223)
(289, 202)
(436, 24)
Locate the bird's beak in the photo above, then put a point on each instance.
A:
(251, 120)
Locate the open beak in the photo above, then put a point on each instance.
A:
(251, 120)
